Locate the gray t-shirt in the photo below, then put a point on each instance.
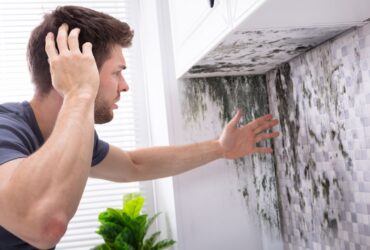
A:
(20, 136)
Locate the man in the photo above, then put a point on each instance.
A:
(48, 145)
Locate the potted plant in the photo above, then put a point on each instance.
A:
(126, 228)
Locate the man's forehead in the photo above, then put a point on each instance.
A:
(117, 51)
(116, 56)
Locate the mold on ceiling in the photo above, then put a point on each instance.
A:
(256, 52)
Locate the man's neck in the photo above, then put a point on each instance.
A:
(46, 109)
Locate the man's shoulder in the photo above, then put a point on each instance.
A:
(18, 119)
(13, 109)
(19, 133)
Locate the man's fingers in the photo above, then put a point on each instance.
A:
(260, 121)
(62, 38)
(234, 121)
(262, 137)
(73, 43)
(50, 48)
(266, 125)
(87, 49)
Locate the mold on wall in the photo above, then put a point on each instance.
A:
(322, 100)
(246, 52)
(255, 174)
(315, 188)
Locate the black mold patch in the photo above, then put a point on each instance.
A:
(249, 95)
(264, 182)
(245, 193)
(325, 184)
(314, 164)
(290, 128)
(347, 158)
(315, 137)
(315, 189)
(272, 47)
(331, 224)
(332, 135)
(288, 196)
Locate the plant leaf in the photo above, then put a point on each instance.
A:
(128, 222)
(125, 238)
(124, 246)
(150, 222)
(140, 223)
(148, 244)
(163, 244)
(126, 228)
(133, 204)
(109, 231)
(112, 215)
(101, 247)
(131, 196)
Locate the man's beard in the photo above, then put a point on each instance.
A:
(102, 112)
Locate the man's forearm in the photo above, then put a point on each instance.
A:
(53, 178)
(235, 141)
(165, 161)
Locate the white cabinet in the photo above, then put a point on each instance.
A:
(204, 37)
(240, 9)
(196, 29)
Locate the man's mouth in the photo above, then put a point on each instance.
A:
(115, 106)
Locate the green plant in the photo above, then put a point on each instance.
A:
(126, 228)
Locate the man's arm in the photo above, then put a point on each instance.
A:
(157, 162)
(40, 194)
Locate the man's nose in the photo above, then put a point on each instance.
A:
(123, 86)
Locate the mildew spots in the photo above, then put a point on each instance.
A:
(312, 97)
(248, 94)
(257, 52)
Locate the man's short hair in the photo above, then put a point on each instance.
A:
(102, 30)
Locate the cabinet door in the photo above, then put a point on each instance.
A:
(196, 29)
(240, 9)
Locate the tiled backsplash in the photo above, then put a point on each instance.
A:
(323, 155)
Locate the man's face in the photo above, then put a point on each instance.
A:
(112, 83)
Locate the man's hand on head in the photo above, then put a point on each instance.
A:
(73, 72)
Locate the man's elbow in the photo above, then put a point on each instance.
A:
(50, 233)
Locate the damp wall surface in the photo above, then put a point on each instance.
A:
(314, 191)
(226, 204)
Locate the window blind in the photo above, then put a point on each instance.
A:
(128, 130)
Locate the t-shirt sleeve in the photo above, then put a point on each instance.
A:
(101, 149)
(12, 144)
(17, 142)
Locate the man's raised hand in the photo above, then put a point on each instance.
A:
(72, 71)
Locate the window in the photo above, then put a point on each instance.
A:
(128, 130)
